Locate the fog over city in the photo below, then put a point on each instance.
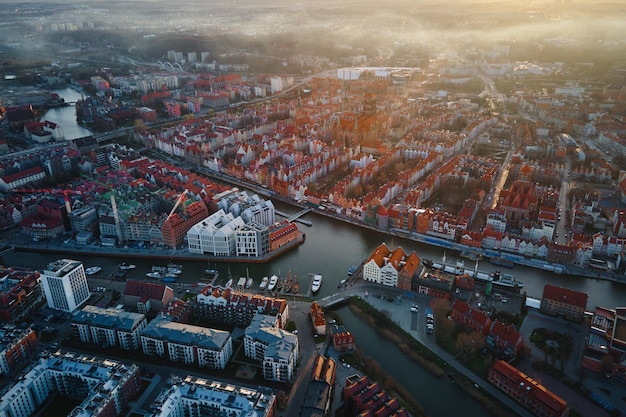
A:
(575, 27)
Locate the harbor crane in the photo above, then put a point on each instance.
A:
(178, 201)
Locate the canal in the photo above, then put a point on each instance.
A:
(431, 392)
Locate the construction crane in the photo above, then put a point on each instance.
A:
(178, 201)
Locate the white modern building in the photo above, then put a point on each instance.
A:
(193, 396)
(106, 385)
(276, 348)
(215, 235)
(109, 327)
(65, 285)
(186, 343)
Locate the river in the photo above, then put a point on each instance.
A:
(331, 247)
(66, 116)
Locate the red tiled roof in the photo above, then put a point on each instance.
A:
(541, 394)
(565, 295)
(151, 290)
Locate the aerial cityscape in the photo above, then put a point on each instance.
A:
(339, 209)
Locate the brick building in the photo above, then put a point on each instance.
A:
(558, 301)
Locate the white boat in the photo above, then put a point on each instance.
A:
(273, 282)
(342, 283)
(158, 269)
(263, 283)
(154, 275)
(124, 266)
(93, 270)
(241, 282)
(229, 283)
(316, 283)
(173, 271)
(249, 282)
(174, 266)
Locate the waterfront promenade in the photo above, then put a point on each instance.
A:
(23, 244)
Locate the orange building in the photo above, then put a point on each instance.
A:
(526, 391)
(175, 227)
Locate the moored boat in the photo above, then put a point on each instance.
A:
(168, 279)
(505, 280)
(295, 289)
(229, 283)
(241, 283)
(316, 284)
(249, 282)
(500, 261)
(154, 275)
(352, 270)
(342, 283)
(502, 280)
(264, 282)
(124, 266)
(471, 255)
(273, 282)
(93, 270)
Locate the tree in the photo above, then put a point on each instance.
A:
(468, 344)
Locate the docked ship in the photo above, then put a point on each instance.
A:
(316, 284)
(154, 275)
(273, 282)
(125, 266)
(471, 255)
(497, 278)
(500, 261)
(93, 270)
(263, 283)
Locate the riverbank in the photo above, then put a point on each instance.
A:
(536, 263)
(382, 322)
(24, 245)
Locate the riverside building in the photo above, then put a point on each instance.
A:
(65, 285)
(106, 385)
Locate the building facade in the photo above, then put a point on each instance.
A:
(527, 391)
(605, 351)
(21, 292)
(558, 301)
(277, 349)
(106, 386)
(193, 396)
(109, 327)
(16, 347)
(65, 285)
(192, 345)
